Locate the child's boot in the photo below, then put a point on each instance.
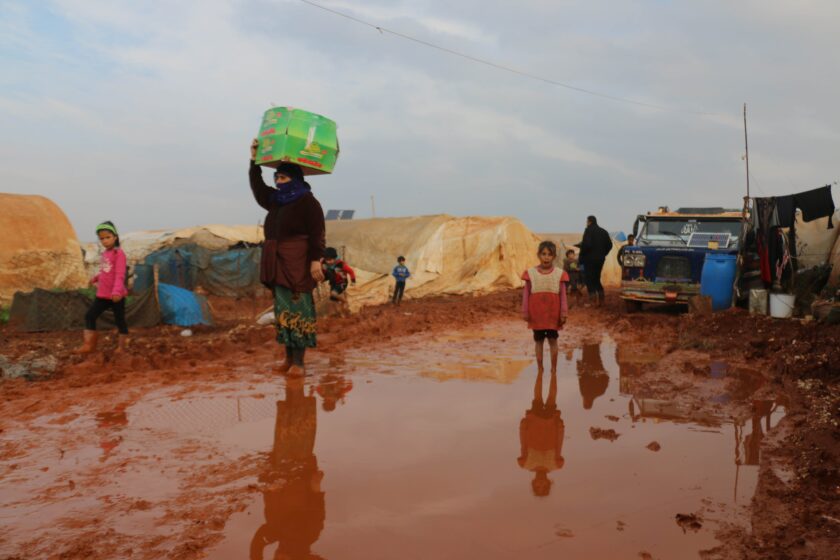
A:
(122, 343)
(89, 345)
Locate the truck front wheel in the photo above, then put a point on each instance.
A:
(632, 306)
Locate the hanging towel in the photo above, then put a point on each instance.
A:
(816, 203)
(786, 210)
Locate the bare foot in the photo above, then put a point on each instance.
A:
(284, 367)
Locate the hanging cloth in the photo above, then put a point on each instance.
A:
(816, 203)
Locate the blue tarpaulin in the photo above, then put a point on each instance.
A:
(233, 272)
(182, 307)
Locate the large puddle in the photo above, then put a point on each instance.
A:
(408, 467)
(466, 453)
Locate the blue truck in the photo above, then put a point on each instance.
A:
(665, 263)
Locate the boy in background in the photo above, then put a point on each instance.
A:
(336, 272)
(572, 268)
(401, 274)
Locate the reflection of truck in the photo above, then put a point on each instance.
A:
(665, 264)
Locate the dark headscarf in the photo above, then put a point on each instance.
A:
(286, 193)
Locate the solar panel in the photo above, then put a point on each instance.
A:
(333, 214)
(347, 214)
(704, 239)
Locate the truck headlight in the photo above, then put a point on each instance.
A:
(633, 260)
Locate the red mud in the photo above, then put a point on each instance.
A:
(673, 363)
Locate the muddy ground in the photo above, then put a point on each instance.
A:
(62, 407)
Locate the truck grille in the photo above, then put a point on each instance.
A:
(673, 268)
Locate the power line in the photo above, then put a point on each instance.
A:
(509, 69)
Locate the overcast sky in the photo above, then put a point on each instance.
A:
(142, 112)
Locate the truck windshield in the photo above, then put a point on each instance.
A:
(677, 232)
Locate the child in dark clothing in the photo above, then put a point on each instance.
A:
(401, 274)
(572, 268)
(336, 272)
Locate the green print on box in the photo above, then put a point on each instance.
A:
(298, 136)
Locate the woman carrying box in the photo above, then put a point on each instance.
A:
(295, 239)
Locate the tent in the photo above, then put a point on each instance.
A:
(215, 237)
(834, 279)
(226, 272)
(38, 247)
(446, 255)
(814, 240)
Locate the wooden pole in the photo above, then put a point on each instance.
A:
(746, 150)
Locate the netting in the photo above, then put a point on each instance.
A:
(45, 310)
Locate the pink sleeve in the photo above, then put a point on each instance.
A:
(526, 297)
(119, 274)
(564, 304)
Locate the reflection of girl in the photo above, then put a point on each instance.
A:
(541, 437)
(295, 508)
(295, 238)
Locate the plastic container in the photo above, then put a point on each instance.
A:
(781, 305)
(717, 279)
(758, 302)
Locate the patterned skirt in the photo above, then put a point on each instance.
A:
(295, 318)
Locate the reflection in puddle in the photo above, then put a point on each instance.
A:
(592, 376)
(293, 503)
(541, 436)
(421, 469)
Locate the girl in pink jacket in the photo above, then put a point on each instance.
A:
(110, 288)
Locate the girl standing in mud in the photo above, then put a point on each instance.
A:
(110, 289)
(544, 303)
(295, 239)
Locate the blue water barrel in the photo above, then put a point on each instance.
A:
(717, 279)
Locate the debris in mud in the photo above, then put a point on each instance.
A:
(562, 532)
(600, 433)
(620, 525)
(689, 522)
(644, 555)
(30, 369)
(654, 446)
(612, 418)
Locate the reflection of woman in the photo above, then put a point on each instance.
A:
(592, 376)
(541, 437)
(294, 503)
(295, 238)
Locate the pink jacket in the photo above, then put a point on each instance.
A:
(110, 281)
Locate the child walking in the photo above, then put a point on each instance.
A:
(110, 289)
(401, 274)
(336, 272)
(544, 302)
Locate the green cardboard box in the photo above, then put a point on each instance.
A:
(297, 136)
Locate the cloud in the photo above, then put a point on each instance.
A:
(145, 109)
